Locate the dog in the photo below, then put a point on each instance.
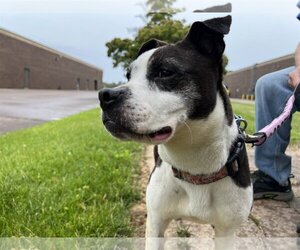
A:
(175, 99)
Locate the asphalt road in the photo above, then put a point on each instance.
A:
(22, 108)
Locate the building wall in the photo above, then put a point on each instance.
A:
(26, 65)
(242, 82)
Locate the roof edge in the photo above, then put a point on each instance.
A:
(262, 63)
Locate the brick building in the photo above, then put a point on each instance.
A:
(28, 64)
(242, 82)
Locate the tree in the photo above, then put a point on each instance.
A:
(161, 10)
(160, 25)
(161, 5)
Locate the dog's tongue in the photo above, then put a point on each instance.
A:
(162, 134)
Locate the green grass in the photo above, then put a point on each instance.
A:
(247, 111)
(67, 178)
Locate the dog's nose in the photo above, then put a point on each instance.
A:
(108, 97)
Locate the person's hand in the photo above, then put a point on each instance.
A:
(294, 77)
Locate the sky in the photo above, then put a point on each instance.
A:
(261, 29)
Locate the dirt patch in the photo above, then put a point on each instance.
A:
(138, 211)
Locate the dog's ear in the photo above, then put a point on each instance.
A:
(220, 25)
(207, 37)
(151, 44)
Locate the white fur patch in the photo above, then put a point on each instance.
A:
(200, 148)
(203, 142)
(154, 109)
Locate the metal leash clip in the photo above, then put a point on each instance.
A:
(262, 135)
(255, 139)
(241, 122)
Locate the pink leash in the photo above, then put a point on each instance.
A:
(262, 135)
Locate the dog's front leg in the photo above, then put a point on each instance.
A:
(225, 239)
(155, 229)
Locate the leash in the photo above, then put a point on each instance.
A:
(262, 135)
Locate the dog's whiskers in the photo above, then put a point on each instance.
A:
(190, 131)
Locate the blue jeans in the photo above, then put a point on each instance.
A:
(271, 93)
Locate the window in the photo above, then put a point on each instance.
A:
(26, 78)
(78, 84)
(95, 85)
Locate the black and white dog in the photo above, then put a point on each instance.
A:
(175, 99)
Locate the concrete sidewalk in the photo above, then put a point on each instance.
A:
(22, 108)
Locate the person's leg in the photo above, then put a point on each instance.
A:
(297, 100)
(271, 93)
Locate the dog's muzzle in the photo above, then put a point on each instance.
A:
(120, 118)
(114, 111)
(109, 98)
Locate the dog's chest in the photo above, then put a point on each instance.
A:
(211, 203)
(179, 199)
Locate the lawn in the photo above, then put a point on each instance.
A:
(247, 112)
(70, 178)
(67, 178)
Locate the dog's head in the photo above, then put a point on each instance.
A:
(168, 85)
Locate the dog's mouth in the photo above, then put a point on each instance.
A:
(162, 134)
(127, 133)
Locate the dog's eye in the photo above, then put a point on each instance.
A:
(164, 73)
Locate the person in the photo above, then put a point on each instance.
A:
(272, 179)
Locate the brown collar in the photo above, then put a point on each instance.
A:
(200, 179)
(230, 168)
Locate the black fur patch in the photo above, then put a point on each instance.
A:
(157, 161)
(182, 70)
(241, 177)
(151, 44)
(227, 105)
(193, 67)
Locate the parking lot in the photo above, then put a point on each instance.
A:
(22, 108)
